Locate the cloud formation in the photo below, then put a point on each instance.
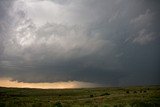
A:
(105, 42)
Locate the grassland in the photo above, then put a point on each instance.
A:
(148, 96)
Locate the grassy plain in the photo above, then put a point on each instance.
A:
(144, 96)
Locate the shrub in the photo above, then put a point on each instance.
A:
(105, 94)
(144, 91)
(91, 96)
(57, 104)
(135, 92)
(127, 92)
(140, 91)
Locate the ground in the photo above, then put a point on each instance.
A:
(142, 96)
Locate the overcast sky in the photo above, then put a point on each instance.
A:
(109, 42)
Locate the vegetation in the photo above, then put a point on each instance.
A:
(93, 97)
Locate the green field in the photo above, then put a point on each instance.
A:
(148, 96)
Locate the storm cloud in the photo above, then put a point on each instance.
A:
(106, 42)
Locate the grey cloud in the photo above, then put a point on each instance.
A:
(5, 17)
(100, 44)
(62, 1)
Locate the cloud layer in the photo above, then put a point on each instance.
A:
(105, 42)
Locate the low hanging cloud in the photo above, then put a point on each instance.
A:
(103, 42)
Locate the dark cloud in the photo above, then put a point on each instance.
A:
(107, 42)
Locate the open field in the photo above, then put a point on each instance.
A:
(148, 96)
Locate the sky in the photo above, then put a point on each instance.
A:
(79, 43)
